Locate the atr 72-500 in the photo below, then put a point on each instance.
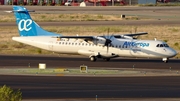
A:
(105, 47)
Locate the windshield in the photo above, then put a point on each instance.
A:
(162, 45)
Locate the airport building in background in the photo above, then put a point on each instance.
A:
(88, 2)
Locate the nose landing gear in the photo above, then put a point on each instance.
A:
(165, 60)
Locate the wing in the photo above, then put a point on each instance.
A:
(97, 40)
(132, 35)
(136, 34)
(85, 38)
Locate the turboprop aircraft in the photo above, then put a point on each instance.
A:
(105, 47)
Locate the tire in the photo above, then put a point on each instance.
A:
(93, 58)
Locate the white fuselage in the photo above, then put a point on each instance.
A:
(119, 47)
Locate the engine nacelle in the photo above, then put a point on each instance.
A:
(126, 37)
(99, 41)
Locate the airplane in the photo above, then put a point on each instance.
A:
(95, 47)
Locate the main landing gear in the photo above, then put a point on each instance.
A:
(94, 58)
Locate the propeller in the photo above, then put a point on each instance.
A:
(135, 31)
(108, 41)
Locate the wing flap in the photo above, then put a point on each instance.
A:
(136, 34)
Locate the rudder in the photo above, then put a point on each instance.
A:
(26, 26)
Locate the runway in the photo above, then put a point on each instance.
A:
(48, 87)
(75, 61)
(79, 87)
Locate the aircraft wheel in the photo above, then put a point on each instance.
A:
(93, 58)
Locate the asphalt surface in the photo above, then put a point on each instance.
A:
(74, 62)
(80, 87)
(48, 87)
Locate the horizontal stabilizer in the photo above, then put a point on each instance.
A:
(19, 11)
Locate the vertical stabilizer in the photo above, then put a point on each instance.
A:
(26, 26)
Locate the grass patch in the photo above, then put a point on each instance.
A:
(161, 4)
(4, 46)
(149, 4)
(19, 45)
(168, 4)
(43, 17)
(174, 29)
(68, 17)
(176, 44)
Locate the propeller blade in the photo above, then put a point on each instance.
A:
(107, 48)
(108, 40)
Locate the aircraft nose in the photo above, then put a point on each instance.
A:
(173, 53)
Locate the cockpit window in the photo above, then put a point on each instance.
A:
(157, 45)
(166, 45)
(162, 45)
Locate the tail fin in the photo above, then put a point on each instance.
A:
(26, 26)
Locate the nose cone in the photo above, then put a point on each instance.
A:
(173, 53)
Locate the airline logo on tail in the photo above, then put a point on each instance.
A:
(25, 25)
